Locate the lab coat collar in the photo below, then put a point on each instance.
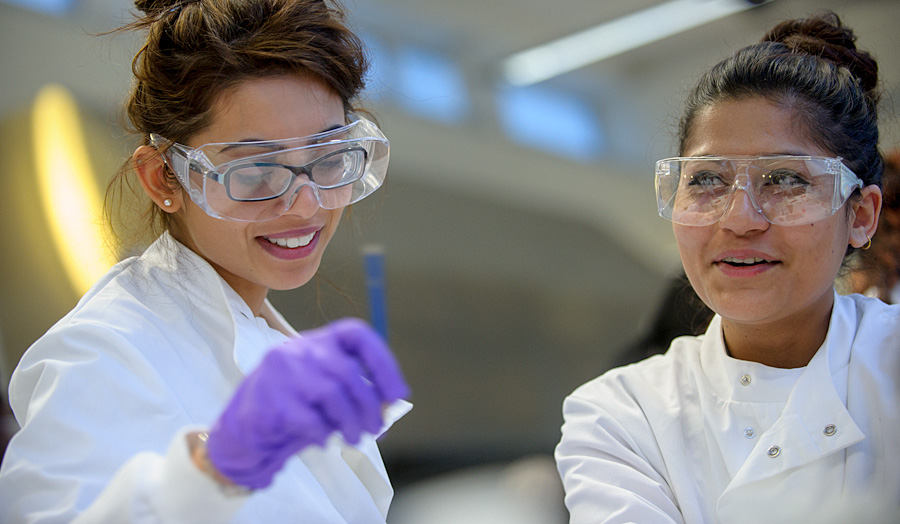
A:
(208, 291)
(809, 430)
(187, 278)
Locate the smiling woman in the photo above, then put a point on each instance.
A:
(196, 401)
(785, 410)
(774, 280)
(284, 249)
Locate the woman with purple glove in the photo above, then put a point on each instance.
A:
(174, 392)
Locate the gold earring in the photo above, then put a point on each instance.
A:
(868, 244)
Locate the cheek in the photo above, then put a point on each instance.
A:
(819, 236)
(220, 240)
(690, 241)
(334, 218)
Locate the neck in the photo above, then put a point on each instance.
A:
(254, 296)
(789, 343)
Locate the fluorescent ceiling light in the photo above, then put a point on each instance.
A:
(51, 7)
(615, 37)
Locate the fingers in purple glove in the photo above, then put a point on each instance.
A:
(349, 402)
(261, 427)
(363, 343)
(307, 400)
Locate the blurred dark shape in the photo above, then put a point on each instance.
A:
(7, 422)
(877, 270)
(681, 312)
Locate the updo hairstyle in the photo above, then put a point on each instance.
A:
(810, 66)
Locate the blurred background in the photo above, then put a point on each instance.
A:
(523, 252)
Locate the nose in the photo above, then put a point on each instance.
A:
(303, 201)
(741, 215)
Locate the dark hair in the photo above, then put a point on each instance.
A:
(878, 268)
(812, 66)
(681, 312)
(197, 49)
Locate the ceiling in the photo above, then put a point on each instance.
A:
(514, 275)
(636, 95)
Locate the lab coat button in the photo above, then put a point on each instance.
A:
(749, 433)
(773, 451)
(830, 430)
(745, 380)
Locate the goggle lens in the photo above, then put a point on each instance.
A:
(786, 190)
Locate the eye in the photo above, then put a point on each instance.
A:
(257, 181)
(331, 163)
(338, 168)
(247, 179)
(706, 179)
(787, 178)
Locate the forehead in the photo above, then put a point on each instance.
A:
(272, 108)
(752, 126)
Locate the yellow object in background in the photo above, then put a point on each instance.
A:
(69, 192)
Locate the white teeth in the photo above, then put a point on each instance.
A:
(292, 242)
(732, 260)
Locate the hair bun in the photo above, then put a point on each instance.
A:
(157, 7)
(826, 36)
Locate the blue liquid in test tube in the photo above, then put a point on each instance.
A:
(373, 257)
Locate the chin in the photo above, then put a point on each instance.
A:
(292, 281)
(739, 310)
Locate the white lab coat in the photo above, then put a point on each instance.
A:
(104, 400)
(696, 436)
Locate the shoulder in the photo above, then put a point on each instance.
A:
(874, 328)
(632, 400)
(656, 375)
(135, 322)
(103, 338)
(615, 432)
(875, 323)
(167, 289)
(865, 307)
(127, 304)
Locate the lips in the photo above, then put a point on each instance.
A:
(750, 261)
(291, 245)
(744, 263)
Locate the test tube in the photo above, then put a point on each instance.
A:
(373, 258)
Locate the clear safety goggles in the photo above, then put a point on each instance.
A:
(786, 190)
(259, 181)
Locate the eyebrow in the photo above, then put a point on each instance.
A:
(262, 143)
(767, 154)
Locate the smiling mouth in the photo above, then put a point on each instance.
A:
(744, 262)
(292, 242)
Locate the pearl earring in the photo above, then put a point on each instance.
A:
(167, 202)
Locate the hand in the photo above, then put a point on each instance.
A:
(337, 378)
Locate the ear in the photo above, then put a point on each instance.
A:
(156, 179)
(866, 209)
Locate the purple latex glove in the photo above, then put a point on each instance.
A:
(337, 378)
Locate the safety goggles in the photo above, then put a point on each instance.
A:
(259, 181)
(786, 190)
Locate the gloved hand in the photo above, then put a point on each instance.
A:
(335, 378)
